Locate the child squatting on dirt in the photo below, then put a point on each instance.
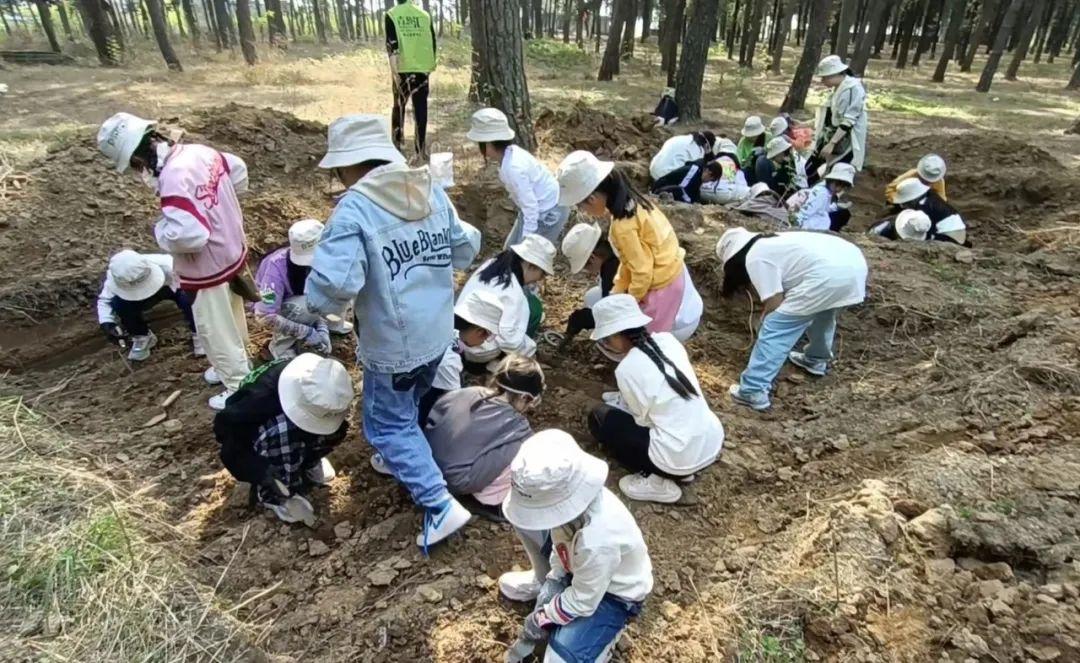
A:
(600, 567)
(134, 283)
(277, 429)
(803, 279)
(658, 424)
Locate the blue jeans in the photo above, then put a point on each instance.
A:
(585, 638)
(549, 225)
(391, 408)
(778, 335)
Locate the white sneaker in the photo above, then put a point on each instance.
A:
(338, 325)
(519, 586)
(442, 521)
(140, 346)
(197, 348)
(651, 488)
(379, 465)
(818, 368)
(211, 376)
(322, 473)
(295, 509)
(218, 402)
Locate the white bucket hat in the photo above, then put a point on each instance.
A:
(552, 481)
(931, 168)
(579, 174)
(537, 250)
(315, 393)
(354, 139)
(489, 124)
(776, 146)
(132, 277)
(118, 137)
(732, 241)
(912, 224)
(303, 238)
(481, 308)
(909, 190)
(830, 65)
(778, 126)
(725, 146)
(579, 243)
(753, 127)
(842, 172)
(616, 313)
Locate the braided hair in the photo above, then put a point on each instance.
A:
(640, 338)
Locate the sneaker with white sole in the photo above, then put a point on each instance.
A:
(140, 346)
(650, 488)
(197, 348)
(818, 368)
(442, 521)
(218, 402)
(211, 376)
(321, 473)
(520, 586)
(379, 464)
(759, 402)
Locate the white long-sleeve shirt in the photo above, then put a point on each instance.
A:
(530, 184)
(105, 311)
(814, 213)
(511, 336)
(684, 435)
(675, 153)
(605, 553)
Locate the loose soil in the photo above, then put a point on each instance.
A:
(919, 503)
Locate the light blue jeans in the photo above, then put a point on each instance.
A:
(585, 639)
(778, 335)
(391, 411)
(549, 225)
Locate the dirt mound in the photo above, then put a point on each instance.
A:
(607, 136)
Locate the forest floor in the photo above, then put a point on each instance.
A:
(920, 503)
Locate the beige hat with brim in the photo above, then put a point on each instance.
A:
(579, 243)
(753, 127)
(132, 277)
(912, 224)
(777, 146)
(489, 124)
(579, 174)
(830, 65)
(354, 139)
(315, 393)
(732, 241)
(552, 481)
(617, 313)
(120, 135)
(303, 239)
(910, 190)
(537, 250)
(931, 168)
(842, 172)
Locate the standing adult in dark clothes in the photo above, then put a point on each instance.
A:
(410, 43)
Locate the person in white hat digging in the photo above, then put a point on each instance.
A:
(390, 248)
(731, 186)
(134, 283)
(804, 280)
(751, 142)
(821, 210)
(776, 168)
(531, 185)
(946, 224)
(658, 424)
(282, 306)
(911, 225)
(651, 262)
(277, 429)
(930, 171)
(678, 151)
(201, 227)
(586, 249)
(508, 276)
(601, 572)
(841, 123)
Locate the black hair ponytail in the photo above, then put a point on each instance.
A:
(502, 267)
(735, 275)
(622, 198)
(642, 340)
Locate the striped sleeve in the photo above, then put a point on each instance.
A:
(182, 228)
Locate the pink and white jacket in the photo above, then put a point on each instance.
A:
(201, 225)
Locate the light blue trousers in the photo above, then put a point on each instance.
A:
(778, 335)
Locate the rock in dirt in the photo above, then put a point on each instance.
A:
(343, 530)
(170, 399)
(964, 256)
(317, 548)
(932, 529)
(173, 426)
(670, 611)
(382, 577)
(1043, 652)
(971, 643)
(429, 593)
(155, 420)
(938, 570)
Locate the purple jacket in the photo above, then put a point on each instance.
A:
(272, 280)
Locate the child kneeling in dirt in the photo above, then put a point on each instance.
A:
(277, 429)
(945, 223)
(930, 171)
(803, 279)
(133, 284)
(600, 567)
(530, 184)
(280, 280)
(658, 424)
(508, 276)
(586, 249)
(820, 207)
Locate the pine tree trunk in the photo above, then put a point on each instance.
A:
(750, 35)
(320, 20)
(926, 31)
(247, 34)
(978, 35)
(672, 37)
(65, 21)
(695, 55)
(47, 24)
(500, 60)
(609, 66)
(843, 35)
(952, 34)
(877, 12)
(646, 20)
(101, 31)
(223, 22)
(579, 24)
(1000, 41)
(344, 25)
(733, 29)
(193, 23)
(538, 18)
(1074, 82)
(159, 25)
(1060, 31)
(1034, 18)
(907, 33)
(628, 31)
(788, 9)
(568, 9)
(816, 32)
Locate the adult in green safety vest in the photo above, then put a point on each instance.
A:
(410, 43)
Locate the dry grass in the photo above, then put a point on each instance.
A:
(91, 572)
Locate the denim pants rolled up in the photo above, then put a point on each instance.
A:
(549, 225)
(391, 408)
(588, 639)
(779, 334)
